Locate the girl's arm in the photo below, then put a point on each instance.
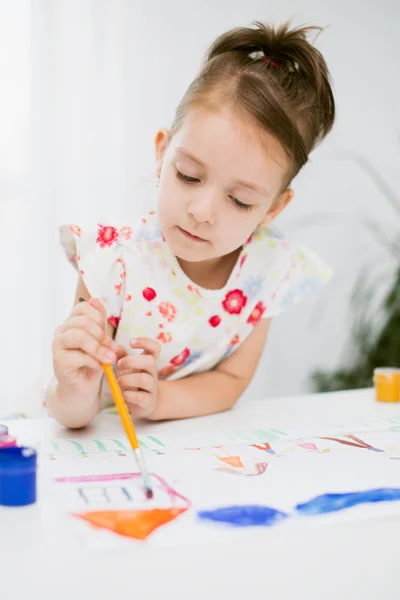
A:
(213, 391)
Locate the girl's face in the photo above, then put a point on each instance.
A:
(219, 180)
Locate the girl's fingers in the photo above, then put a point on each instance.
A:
(88, 325)
(78, 339)
(96, 313)
(139, 362)
(77, 359)
(148, 345)
(138, 402)
(120, 352)
(142, 381)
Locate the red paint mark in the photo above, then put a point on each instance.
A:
(260, 469)
(264, 446)
(160, 482)
(137, 524)
(356, 443)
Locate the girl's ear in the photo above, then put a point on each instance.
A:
(161, 142)
(277, 206)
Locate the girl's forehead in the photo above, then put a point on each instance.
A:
(223, 137)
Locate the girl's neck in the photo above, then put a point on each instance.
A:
(210, 274)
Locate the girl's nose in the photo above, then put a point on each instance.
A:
(202, 209)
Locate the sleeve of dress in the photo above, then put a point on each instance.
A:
(297, 273)
(98, 257)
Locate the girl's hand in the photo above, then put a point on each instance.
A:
(80, 346)
(137, 376)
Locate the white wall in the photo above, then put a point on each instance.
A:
(102, 77)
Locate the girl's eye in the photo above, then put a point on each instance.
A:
(186, 178)
(240, 205)
(191, 180)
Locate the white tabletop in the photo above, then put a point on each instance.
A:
(357, 560)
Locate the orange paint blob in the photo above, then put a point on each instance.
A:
(234, 461)
(137, 524)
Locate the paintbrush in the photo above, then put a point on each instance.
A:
(127, 423)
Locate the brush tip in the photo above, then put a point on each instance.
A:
(149, 493)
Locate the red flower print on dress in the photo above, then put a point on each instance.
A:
(149, 294)
(234, 302)
(114, 321)
(257, 313)
(126, 233)
(164, 337)
(123, 270)
(75, 230)
(128, 297)
(214, 321)
(166, 371)
(235, 340)
(242, 260)
(180, 359)
(118, 288)
(106, 235)
(168, 311)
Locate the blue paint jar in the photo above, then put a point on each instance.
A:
(18, 466)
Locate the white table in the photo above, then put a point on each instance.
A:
(352, 561)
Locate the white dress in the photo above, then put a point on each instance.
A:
(146, 293)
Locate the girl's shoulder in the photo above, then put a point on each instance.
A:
(284, 270)
(142, 227)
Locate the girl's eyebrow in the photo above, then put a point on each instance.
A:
(190, 156)
(252, 186)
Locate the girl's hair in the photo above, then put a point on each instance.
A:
(277, 78)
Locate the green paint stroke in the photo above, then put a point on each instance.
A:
(155, 440)
(142, 444)
(79, 447)
(267, 435)
(119, 445)
(100, 446)
(278, 431)
(248, 436)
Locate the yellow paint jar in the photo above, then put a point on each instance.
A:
(387, 384)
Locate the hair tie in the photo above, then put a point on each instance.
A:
(268, 60)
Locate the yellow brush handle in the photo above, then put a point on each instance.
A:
(121, 406)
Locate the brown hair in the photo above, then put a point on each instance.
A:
(277, 77)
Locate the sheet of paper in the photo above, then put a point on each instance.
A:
(81, 478)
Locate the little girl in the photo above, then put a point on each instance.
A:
(181, 299)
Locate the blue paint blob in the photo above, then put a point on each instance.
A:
(244, 516)
(333, 502)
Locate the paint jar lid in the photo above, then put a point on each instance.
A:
(17, 476)
(387, 372)
(3, 430)
(7, 441)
